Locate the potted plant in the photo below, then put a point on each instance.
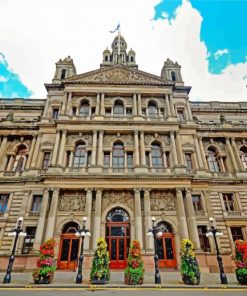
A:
(190, 270)
(100, 273)
(45, 263)
(134, 272)
(241, 261)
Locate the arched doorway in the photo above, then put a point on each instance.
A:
(118, 237)
(69, 247)
(166, 246)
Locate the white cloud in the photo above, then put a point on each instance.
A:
(3, 79)
(36, 34)
(220, 52)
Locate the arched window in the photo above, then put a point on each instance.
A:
(84, 109)
(213, 160)
(173, 74)
(70, 227)
(152, 110)
(63, 73)
(20, 159)
(118, 155)
(117, 215)
(118, 109)
(243, 156)
(156, 155)
(164, 227)
(80, 155)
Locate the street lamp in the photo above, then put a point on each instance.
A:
(81, 232)
(155, 232)
(213, 232)
(18, 231)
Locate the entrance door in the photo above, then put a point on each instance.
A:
(69, 248)
(118, 237)
(166, 247)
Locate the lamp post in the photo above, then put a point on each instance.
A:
(213, 232)
(155, 232)
(81, 232)
(18, 231)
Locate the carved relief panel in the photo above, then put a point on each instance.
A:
(72, 202)
(162, 201)
(122, 197)
(126, 139)
(88, 138)
(164, 139)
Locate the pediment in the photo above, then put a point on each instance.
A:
(117, 74)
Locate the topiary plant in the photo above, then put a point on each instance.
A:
(134, 272)
(190, 270)
(100, 273)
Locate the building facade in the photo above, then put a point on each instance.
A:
(120, 146)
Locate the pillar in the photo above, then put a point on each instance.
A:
(181, 215)
(31, 152)
(71, 158)
(236, 153)
(41, 222)
(179, 150)
(172, 106)
(148, 220)
(94, 147)
(203, 153)
(198, 152)
(55, 149)
(189, 109)
(138, 217)
(173, 149)
(64, 104)
(191, 219)
(62, 147)
(139, 104)
(136, 140)
(68, 109)
(36, 151)
(168, 110)
(3, 146)
(97, 218)
(233, 160)
(97, 104)
(100, 149)
(51, 221)
(102, 105)
(142, 144)
(88, 212)
(134, 105)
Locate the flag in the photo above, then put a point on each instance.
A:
(117, 28)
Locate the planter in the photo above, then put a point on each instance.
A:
(241, 275)
(189, 281)
(99, 281)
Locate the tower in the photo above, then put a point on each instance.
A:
(64, 68)
(172, 72)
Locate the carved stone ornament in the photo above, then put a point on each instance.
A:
(126, 139)
(87, 137)
(162, 201)
(164, 139)
(113, 197)
(72, 203)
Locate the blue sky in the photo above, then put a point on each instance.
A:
(206, 37)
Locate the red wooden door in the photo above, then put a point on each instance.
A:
(118, 241)
(68, 253)
(166, 251)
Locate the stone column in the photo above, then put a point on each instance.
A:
(173, 149)
(198, 152)
(189, 109)
(31, 152)
(230, 238)
(51, 221)
(3, 146)
(134, 105)
(233, 160)
(168, 111)
(62, 147)
(55, 149)
(94, 147)
(179, 150)
(71, 158)
(181, 215)
(36, 151)
(100, 149)
(137, 157)
(203, 153)
(88, 212)
(142, 144)
(138, 217)
(236, 153)
(97, 218)
(68, 109)
(148, 221)
(102, 105)
(191, 219)
(164, 157)
(172, 106)
(139, 104)
(97, 104)
(41, 222)
(64, 104)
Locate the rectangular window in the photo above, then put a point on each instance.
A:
(46, 160)
(143, 111)
(162, 111)
(147, 159)
(181, 116)
(93, 111)
(108, 111)
(228, 202)
(89, 158)
(197, 202)
(74, 109)
(189, 162)
(129, 159)
(29, 240)
(4, 198)
(55, 112)
(36, 206)
(107, 159)
(128, 112)
(168, 162)
(204, 242)
(237, 233)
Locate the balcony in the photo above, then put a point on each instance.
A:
(234, 214)
(200, 213)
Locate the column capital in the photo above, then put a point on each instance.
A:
(146, 190)
(98, 190)
(137, 190)
(179, 190)
(88, 190)
(136, 132)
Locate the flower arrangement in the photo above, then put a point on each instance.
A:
(241, 261)
(45, 263)
(134, 272)
(190, 270)
(100, 273)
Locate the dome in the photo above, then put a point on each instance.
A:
(123, 44)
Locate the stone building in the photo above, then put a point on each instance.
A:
(119, 145)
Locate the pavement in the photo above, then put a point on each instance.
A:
(65, 279)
